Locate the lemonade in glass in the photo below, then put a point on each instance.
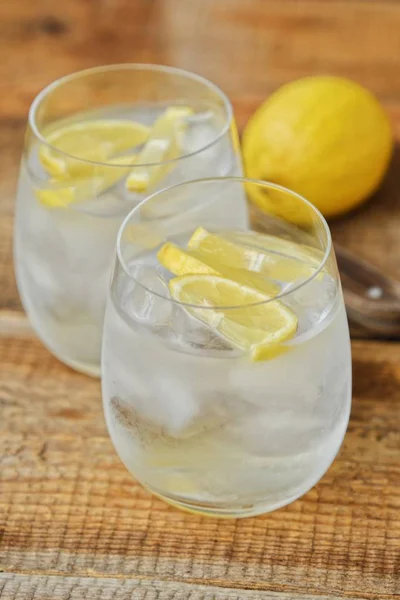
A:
(98, 142)
(226, 367)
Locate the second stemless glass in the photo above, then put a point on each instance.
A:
(71, 201)
(226, 358)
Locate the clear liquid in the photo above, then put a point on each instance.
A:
(63, 256)
(204, 427)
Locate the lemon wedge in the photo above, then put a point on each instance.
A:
(95, 140)
(163, 145)
(189, 262)
(272, 243)
(265, 257)
(72, 190)
(259, 330)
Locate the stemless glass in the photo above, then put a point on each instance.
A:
(226, 368)
(94, 149)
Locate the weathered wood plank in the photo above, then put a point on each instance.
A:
(33, 587)
(69, 507)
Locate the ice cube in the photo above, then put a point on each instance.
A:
(153, 388)
(71, 261)
(184, 403)
(107, 204)
(44, 285)
(190, 333)
(147, 301)
(197, 136)
(162, 401)
(174, 404)
(89, 241)
(169, 389)
(312, 302)
(277, 432)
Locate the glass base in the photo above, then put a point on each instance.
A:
(85, 368)
(217, 511)
(91, 369)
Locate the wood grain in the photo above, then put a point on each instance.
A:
(70, 508)
(73, 523)
(14, 587)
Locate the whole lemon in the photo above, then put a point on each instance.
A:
(325, 137)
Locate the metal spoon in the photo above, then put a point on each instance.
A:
(372, 297)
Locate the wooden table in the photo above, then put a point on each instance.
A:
(73, 523)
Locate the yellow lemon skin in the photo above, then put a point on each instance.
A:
(325, 137)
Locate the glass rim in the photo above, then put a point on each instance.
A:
(48, 89)
(244, 180)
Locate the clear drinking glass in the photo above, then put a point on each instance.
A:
(98, 142)
(226, 368)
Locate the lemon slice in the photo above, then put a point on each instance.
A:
(187, 262)
(255, 258)
(274, 243)
(96, 141)
(259, 330)
(163, 145)
(80, 189)
(180, 262)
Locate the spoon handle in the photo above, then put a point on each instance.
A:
(372, 297)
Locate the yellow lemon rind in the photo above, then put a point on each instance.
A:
(236, 325)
